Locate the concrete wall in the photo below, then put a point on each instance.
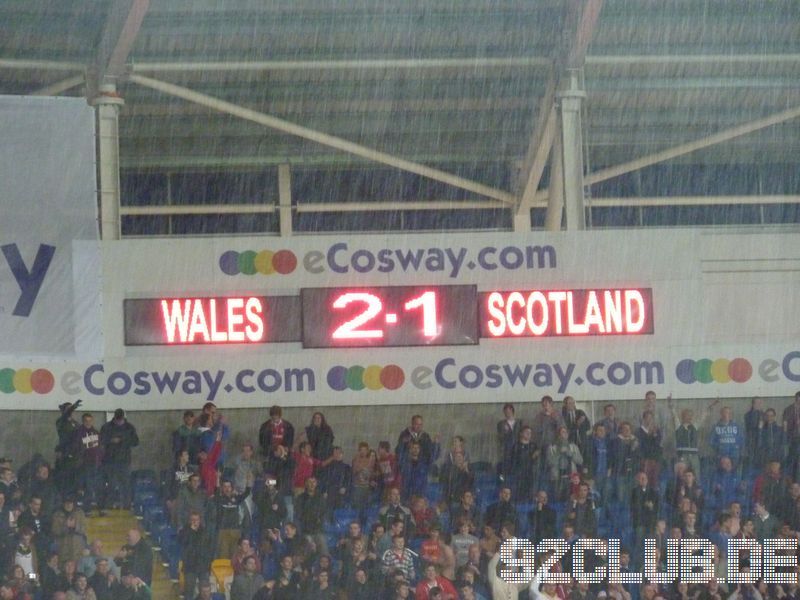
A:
(23, 433)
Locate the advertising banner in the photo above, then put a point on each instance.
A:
(49, 204)
(450, 318)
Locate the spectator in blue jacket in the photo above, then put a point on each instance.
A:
(414, 472)
(521, 466)
(334, 481)
(429, 447)
(753, 420)
(727, 438)
(771, 440)
(117, 438)
(726, 486)
(598, 464)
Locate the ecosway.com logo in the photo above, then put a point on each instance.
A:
(373, 377)
(265, 262)
(340, 258)
(25, 381)
(721, 370)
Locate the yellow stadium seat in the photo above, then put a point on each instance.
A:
(222, 569)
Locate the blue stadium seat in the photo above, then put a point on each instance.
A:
(174, 567)
(627, 539)
(145, 478)
(170, 554)
(143, 491)
(485, 497)
(145, 482)
(373, 511)
(345, 515)
(165, 478)
(522, 519)
(415, 545)
(434, 492)
(146, 499)
(334, 529)
(156, 534)
(166, 534)
(153, 516)
(480, 467)
(486, 483)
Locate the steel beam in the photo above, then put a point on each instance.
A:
(60, 86)
(687, 59)
(399, 206)
(541, 196)
(322, 138)
(522, 62)
(680, 150)
(198, 209)
(116, 41)
(588, 15)
(664, 201)
(212, 209)
(413, 64)
(39, 65)
(555, 198)
(536, 158)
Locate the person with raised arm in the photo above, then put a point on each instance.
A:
(500, 588)
(539, 580)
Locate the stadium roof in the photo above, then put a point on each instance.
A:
(426, 114)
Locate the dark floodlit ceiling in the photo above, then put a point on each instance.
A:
(452, 84)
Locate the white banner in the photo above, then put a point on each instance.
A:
(49, 202)
(722, 321)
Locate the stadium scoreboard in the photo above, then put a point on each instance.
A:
(388, 316)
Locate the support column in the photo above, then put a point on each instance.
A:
(285, 199)
(522, 220)
(107, 105)
(571, 100)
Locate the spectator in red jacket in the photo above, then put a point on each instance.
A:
(275, 432)
(432, 580)
(388, 467)
(304, 466)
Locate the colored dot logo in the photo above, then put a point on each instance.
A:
(373, 377)
(722, 370)
(265, 262)
(25, 381)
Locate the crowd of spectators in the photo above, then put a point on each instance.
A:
(43, 514)
(409, 519)
(412, 519)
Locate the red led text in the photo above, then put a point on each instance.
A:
(539, 313)
(213, 320)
